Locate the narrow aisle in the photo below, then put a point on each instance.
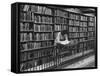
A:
(87, 62)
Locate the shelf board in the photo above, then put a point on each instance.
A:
(37, 48)
(74, 19)
(61, 17)
(83, 21)
(43, 31)
(36, 40)
(84, 26)
(74, 32)
(59, 31)
(26, 21)
(60, 23)
(43, 23)
(91, 31)
(36, 13)
(86, 40)
(27, 31)
(73, 26)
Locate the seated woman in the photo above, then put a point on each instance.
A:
(63, 40)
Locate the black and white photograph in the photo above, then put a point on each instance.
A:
(52, 37)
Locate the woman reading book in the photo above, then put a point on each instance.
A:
(62, 40)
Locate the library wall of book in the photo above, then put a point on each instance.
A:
(39, 26)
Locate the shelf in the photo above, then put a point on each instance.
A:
(26, 31)
(74, 19)
(83, 21)
(34, 59)
(43, 23)
(37, 48)
(26, 21)
(43, 32)
(35, 40)
(86, 40)
(36, 13)
(62, 17)
(73, 25)
(63, 53)
(61, 24)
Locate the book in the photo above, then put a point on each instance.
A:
(83, 18)
(38, 26)
(43, 19)
(35, 45)
(83, 24)
(61, 13)
(43, 28)
(26, 26)
(73, 29)
(26, 37)
(60, 20)
(91, 19)
(27, 16)
(60, 27)
(90, 23)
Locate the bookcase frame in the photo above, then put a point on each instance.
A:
(15, 35)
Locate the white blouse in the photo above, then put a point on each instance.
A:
(57, 40)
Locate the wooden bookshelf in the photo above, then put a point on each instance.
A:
(38, 28)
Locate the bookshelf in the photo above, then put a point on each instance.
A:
(38, 28)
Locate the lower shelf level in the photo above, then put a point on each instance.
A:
(59, 62)
(84, 62)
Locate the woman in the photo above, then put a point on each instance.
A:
(63, 40)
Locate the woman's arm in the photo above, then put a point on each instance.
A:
(57, 40)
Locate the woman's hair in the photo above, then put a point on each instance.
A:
(64, 32)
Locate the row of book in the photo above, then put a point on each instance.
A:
(91, 18)
(74, 23)
(83, 34)
(27, 16)
(83, 18)
(82, 39)
(91, 24)
(82, 45)
(40, 64)
(73, 29)
(83, 24)
(60, 27)
(91, 29)
(36, 36)
(74, 16)
(74, 35)
(36, 54)
(43, 63)
(43, 36)
(43, 19)
(26, 26)
(60, 20)
(61, 13)
(90, 34)
(81, 29)
(36, 9)
(43, 28)
(35, 45)
(91, 38)
(90, 44)
(26, 37)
